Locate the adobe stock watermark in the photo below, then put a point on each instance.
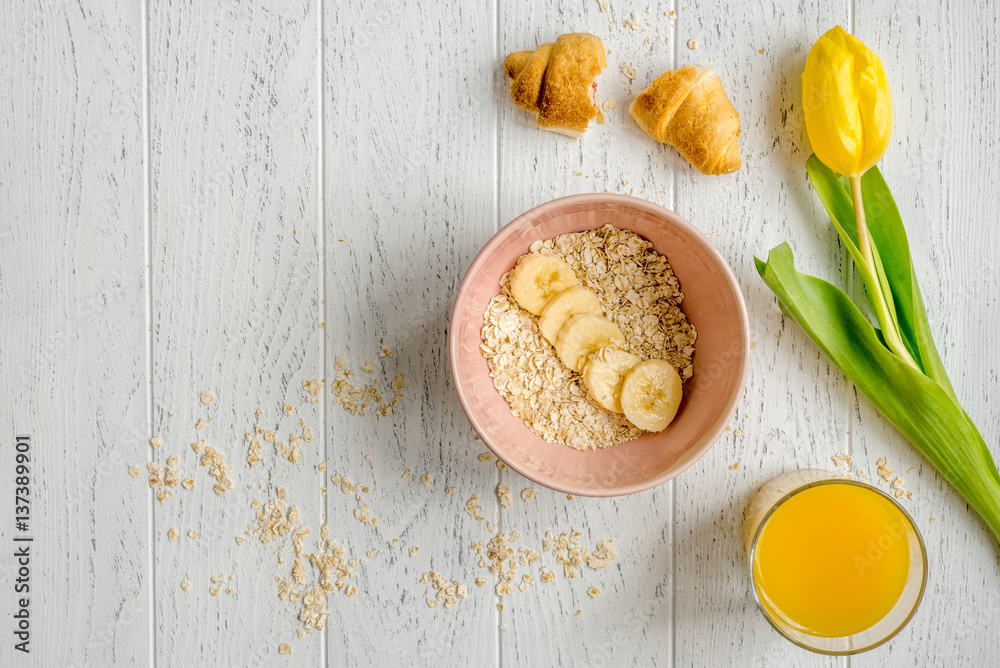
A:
(877, 548)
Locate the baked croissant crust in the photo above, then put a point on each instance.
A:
(556, 82)
(688, 109)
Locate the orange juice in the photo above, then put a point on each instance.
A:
(832, 560)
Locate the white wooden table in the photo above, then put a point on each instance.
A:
(190, 190)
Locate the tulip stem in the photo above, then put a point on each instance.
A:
(878, 286)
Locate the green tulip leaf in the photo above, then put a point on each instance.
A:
(892, 252)
(922, 409)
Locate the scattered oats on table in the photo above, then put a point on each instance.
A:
(504, 495)
(502, 558)
(528, 494)
(446, 592)
(639, 293)
(253, 452)
(593, 592)
(486, 457)
(156, 441)
(172, 534)
(472, 508)
(200, 424)
(193, 534)
(363, 513)
(841, 459)
(284, 648)
(134, 471)
(358, 399)
(568, 551)
(693, 44)
(884, 469)
(159, 481)
(207, 397)
(217, 468)
(313, 387)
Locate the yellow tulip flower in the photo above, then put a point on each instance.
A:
(848, 113)
(848, 108)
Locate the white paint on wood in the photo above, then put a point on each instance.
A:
(350, 182)
(943, 173)
(236, 307)
(72, 295)
(410, 162)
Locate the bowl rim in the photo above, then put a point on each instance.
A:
(594, 199)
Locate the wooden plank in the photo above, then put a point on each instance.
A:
(630, 623)
(421, 156)
(73, 371)
(794, 409)
(409, 199)
(236, 297)
(941, 62)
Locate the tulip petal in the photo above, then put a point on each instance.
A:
(848, 110)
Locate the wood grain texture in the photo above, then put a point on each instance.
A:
(795, 409)
(409, 199)
(236, 307)
(943, 172)
(322, 173)
(72, 302)
(631, 622)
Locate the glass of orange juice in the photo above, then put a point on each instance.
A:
(837, 566)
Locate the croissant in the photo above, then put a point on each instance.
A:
(556, 82)
(688, 109)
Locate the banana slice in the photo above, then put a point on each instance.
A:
(603, 376)
(583, 335)
(537, 278)
(564, 306)
(651, 394)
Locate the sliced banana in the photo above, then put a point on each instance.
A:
(603, 376)
(651, 394)
(537, 278)
(583, 335)
(564, 306)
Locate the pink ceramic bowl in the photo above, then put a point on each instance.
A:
(713, 303)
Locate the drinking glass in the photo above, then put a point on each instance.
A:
(762, 507)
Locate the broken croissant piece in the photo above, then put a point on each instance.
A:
(556, 82)
(688, 109)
